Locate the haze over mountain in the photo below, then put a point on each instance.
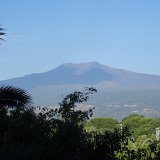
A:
(92, 73)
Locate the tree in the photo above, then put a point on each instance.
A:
(141, 125)
(70, 132)
(68, 112)
(102, 124)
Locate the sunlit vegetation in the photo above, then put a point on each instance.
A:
(102, 124)
(141, 145)
(140, 125)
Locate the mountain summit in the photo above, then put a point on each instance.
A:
(91, 73)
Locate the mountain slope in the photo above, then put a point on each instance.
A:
(91, 73)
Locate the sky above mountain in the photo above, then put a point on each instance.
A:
(44, 34)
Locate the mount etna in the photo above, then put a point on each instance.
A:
(120, 92)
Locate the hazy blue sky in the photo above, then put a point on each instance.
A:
(43, 34)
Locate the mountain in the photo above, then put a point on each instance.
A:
(92, 73)
(120, 92)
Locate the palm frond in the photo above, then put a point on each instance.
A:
(12, 96)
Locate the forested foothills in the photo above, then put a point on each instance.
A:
(30, 132)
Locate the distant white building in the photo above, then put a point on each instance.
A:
(158, 134)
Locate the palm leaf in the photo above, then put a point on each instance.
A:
(11, 96)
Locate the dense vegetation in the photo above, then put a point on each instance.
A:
(102, 124)
(140, 125)
(142, 143)
(28, 132)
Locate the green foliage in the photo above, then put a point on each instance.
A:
(49, 129)
(141, 125)
(150, 152)
(102, 124)
(67, 110)
(144, 146)
(104, 146)
(29, 133)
